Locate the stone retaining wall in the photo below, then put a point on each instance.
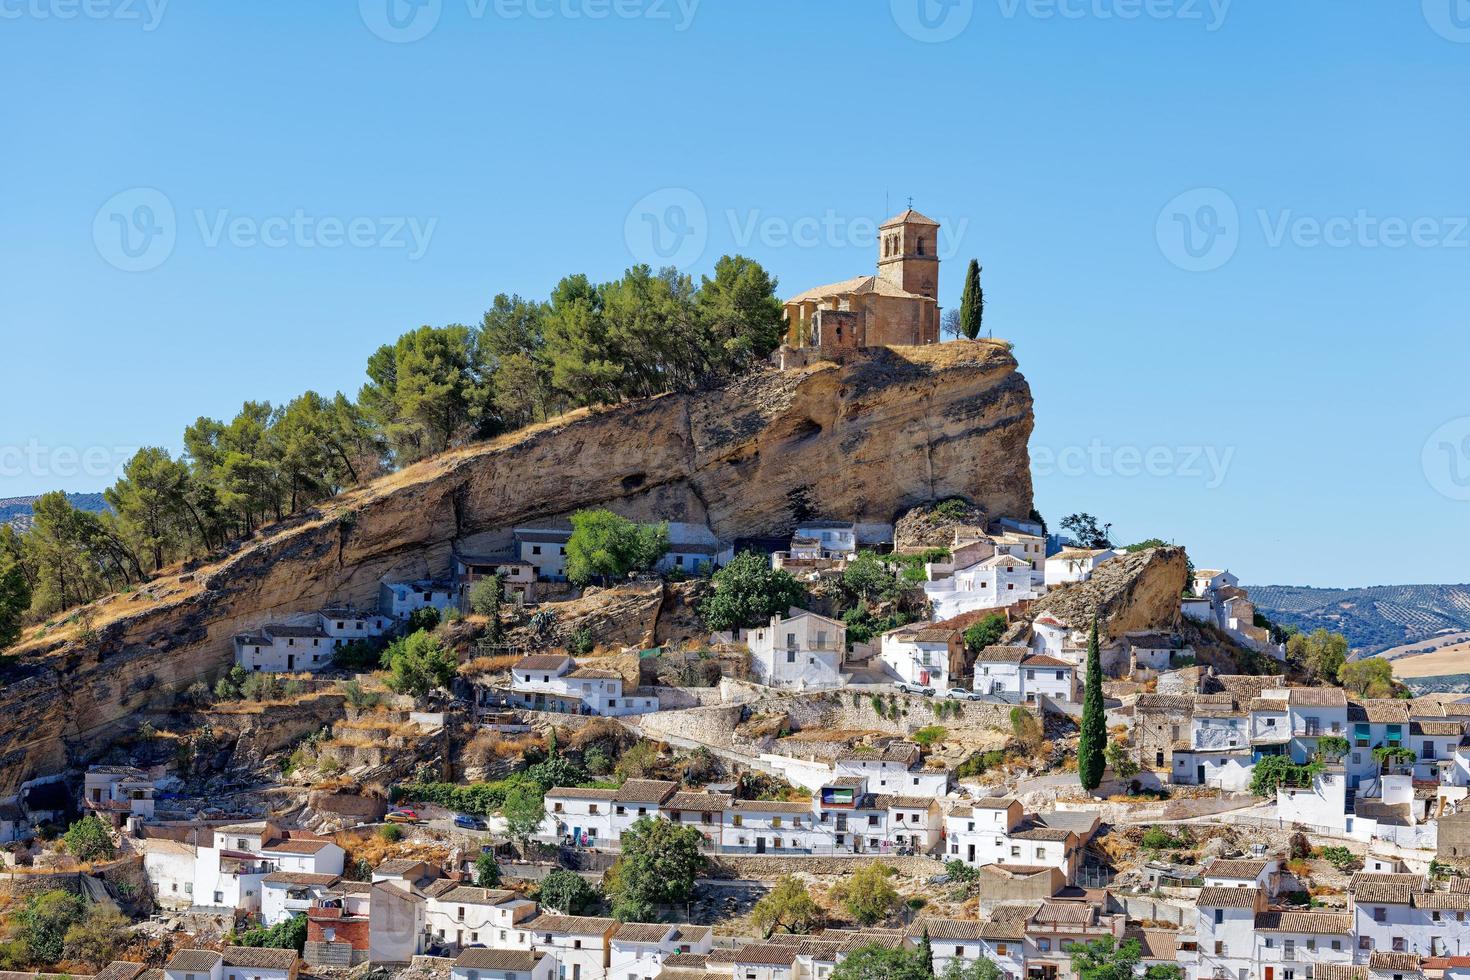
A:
(769, 867)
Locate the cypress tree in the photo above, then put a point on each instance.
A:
(1094, 738)
(972, 302)
(925, 953)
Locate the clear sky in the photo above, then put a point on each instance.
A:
(1227, 239)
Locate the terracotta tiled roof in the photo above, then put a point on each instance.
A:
(540, 661)
(259, 958)
(1381, 959)
(572, 925)
(952, 929)
(195, 960)
(1245, 868)
(1338, 971)
(642, 932)
(509, 960)
(645, 791)
(1307, 923)
(1228, 898)
(767, 954)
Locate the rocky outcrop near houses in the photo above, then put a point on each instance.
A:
(865, 439)
(1135, 592)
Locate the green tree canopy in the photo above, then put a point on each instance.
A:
(1371, 677)
(659, 862)
(1094, 734)
(972, 302)
(869, 579)
(748, 592)
(418, 663)
(881, 963)
(487, 870)
(1319, 653)
(89, 839)
(566, 892)
(606, 546)
(868, 894)
(986, 632)
(787, 906)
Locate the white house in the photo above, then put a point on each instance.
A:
(803, 651)
(347, 624)
(259, 963)
(401, 599)
(766, 961)
(770, 827)
(997, 832)
(950, 940)
(833, 539)
(638, 950)
(593, 816)
(118, 791)
(914, 822)
(518, 577)
(286, 894)
(580, 945)
(693, 550)
(1075, 565)
(285, 647)
(993, 583)
(502, 964)
(1226, 930)
(464, 915)
(892, 769)
(545, 548)
(920, 653)
(230, 872)
(169, 866)
(195, 964)
(583, 815)
(1018, 675)
(554, 682)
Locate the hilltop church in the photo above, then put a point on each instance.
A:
(898, 306)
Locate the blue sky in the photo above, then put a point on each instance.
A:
(1228, 241)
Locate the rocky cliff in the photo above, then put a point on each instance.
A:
(1134, 592)
(864, 439)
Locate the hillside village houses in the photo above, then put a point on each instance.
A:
(801, 650)
(554, 682)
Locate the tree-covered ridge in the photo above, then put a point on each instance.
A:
(434, 388)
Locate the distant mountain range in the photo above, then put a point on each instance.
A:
(1373, 619)
(16, 511)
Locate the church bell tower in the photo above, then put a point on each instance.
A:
(908, 253)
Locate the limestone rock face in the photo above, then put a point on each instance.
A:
(864, 439)
(1131, 593)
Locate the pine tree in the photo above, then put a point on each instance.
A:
(1090, 763)
(972, 302)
